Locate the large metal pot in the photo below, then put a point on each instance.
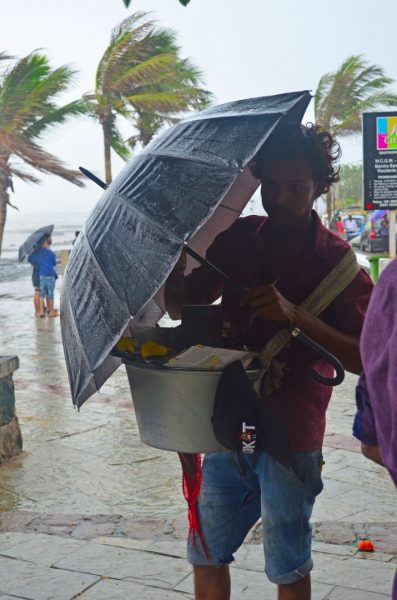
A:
(174, 406)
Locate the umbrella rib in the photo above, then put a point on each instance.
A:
(93, 369)
(134, 209)
(96, 261)
(239, 212)
(75, 322)
(189, 159)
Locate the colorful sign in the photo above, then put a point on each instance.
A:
(380, 160)
(386, 133)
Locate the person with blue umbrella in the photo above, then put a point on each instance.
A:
(43, 260)
(30, 245)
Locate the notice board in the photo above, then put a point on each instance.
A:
(380, 160)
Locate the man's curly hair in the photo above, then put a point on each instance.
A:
(308, 142)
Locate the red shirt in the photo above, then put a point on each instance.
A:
(340, 227)
(300, 402)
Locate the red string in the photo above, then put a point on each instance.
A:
(191, 483)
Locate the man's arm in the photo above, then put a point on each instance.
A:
(267, 302)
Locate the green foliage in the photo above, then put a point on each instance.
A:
(342, 96)
(141, 77)
(350, 184)
(28, 108)
(28, 89)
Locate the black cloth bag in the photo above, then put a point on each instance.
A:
(243, 422)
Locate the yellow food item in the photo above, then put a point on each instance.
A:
(151, 348)
(126, 345)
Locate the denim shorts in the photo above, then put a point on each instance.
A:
(47, 286)
(237, 489)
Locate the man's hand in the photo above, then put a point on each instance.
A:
(267, 302)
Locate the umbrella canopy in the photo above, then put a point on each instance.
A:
(33, 240)
(378, 214)
(188, 184)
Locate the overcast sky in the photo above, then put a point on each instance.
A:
(245, 48)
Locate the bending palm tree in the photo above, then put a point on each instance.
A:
(27, 110)
(142, 78)
(342, 97)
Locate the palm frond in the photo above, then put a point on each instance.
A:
(29, 89)
(24, 175)
(119, 145)
(35, 156)
(57, 116)
(342, 96)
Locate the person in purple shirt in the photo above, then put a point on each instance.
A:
(375, 423)
(45, 260)
(281, 260)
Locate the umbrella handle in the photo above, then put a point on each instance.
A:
(307, 341)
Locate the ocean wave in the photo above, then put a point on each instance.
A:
(12, 270)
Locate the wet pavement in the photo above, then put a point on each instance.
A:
(88, 510)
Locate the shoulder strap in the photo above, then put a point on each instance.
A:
(322, 296)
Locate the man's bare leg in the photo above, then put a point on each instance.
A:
(36, 301)
(52, 312)
(41, 313)
(212, 583)
(300, 590)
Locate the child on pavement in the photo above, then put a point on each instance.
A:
(45, 260)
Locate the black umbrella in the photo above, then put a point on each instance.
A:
(34, 240)
(188, 184)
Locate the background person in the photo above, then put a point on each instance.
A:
(340, 227)
(384, 232)
(375, 424)
(36, 286)
(281, 260)
(45, 260)
(350, 225)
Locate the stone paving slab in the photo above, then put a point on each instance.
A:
(118, 563)
(35, 582)
(39, 548)
(109, 589)
(352, 572)
(342, 593)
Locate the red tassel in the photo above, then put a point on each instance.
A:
(191, 483)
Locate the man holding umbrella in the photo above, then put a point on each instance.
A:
(280, 260)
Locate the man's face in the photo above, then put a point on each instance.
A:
(288, 191)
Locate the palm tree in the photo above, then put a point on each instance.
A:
(341, 97)
(142, 78)
(27, 110)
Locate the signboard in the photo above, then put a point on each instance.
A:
(380, 160)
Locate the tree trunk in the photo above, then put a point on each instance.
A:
(107, 128)
(3, 207)
(330, 207)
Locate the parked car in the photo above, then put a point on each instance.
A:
(371, 239)
(359, 218)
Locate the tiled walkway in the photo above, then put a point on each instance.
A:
(88, 510)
